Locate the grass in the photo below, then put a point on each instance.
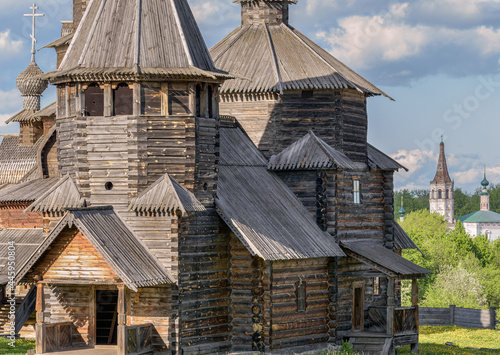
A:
(22, 346)
(433, 339)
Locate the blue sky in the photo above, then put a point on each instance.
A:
(439, 59)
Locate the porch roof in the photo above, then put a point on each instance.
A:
(383, 259)
(25, 241)
(115, 241)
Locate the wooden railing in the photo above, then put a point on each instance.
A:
(27, 307)
(405, 320)
(57, 336)
(139, 339)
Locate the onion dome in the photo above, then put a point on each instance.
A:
(485, 182)
(29, 82)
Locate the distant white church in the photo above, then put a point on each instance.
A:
(442, 201)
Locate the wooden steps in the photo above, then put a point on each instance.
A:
(372, 344)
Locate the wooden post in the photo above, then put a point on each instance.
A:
(452, 314)
(390, 306)
(414, 303)
(108, 100)
(493, 317)
(92, 315)
(122, 322)
(40, 330)
(137, 99)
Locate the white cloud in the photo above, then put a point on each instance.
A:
(10, 101)
(466, 177)
(4, 117)
(9, 46)
(366, 42)
(413, 160)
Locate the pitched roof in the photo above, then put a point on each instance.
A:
(26, 241)
(60, 41)
(28, 191)
(278, 57)
(62, 195)
(310, 152)
(479, 217)
(166, 195)
(152, 34)
(16, 160)
(115, 241)
(442, 175)
(260, 209)
(380, 161)
(383, 259)
(402, 240)
(30, 116)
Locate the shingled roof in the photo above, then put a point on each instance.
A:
(61, 196)
(31, 116)
(274, 58)
(166, 195)
(154, 36)
(17, 161)
(442, 175)
(310, 152)
(261, 210)
(383, 259)
(378, 160)
(132, 261)
(28, 191)
(26, 241)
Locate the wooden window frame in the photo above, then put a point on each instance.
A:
(356, 191)
(376, 286)
(358, 285)
(301, 290)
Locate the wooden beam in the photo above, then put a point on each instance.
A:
(390, 306)
(40, 329)
(414, 303)
(122, 322)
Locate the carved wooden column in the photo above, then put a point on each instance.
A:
(40, 308)
(122, 322)
(414, 303)
(390, 306)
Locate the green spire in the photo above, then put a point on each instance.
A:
(402, 211)
(485, 182)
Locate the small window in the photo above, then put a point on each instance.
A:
(210, 102)
(356, 190)
(151, 99)
(198, 100)
(300, 288)
(108, 186)
(447, 194)
(307, 94)
(123, 98)
(440, 194)
(94, 101)
(376, 286)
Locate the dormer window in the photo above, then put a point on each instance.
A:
(94, 101)
(356, 191)
(123, 98)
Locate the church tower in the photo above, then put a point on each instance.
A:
(485, 196)
(442, 190)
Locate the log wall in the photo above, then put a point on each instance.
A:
(275, 122)
(156, 305)
(72, 257)
(70, 304)
(351, 271)
(12, 216)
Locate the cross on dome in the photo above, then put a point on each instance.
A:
(33, 15)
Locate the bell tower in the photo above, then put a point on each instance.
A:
(441, 196)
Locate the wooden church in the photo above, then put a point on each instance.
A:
(176, 200)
